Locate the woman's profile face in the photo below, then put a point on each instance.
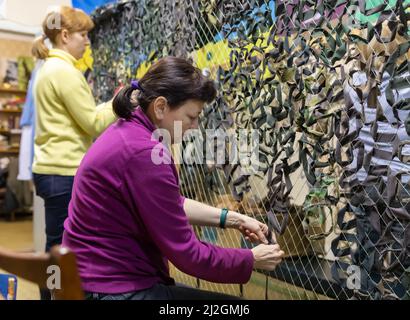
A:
(179, 120)
(77, 43)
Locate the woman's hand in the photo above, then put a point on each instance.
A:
(267, 257)
(252, 229)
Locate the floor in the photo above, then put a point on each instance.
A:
(18, 235)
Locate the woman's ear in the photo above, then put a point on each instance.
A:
(64, 36)
(160, 107)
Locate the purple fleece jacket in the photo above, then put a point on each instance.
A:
(126, 218)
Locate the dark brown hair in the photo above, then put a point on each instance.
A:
(173, 78)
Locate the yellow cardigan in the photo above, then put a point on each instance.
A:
(67, 119)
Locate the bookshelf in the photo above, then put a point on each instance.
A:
(11, 49)
(11, 100)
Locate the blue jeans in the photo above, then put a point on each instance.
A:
(163, 292)
(56, 193)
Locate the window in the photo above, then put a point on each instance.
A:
(3, 9)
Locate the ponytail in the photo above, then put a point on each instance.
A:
(122, 104)
(40, 50)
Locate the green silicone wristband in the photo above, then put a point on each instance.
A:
(222, 222)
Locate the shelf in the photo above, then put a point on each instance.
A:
(4, 152)
(12, 91)
(10, 132)
(10, 111)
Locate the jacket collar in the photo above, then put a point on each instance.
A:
(140, 117)
(63, 55)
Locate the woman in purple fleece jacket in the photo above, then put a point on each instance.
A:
(127, 217)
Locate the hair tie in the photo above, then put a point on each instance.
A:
(135, 85)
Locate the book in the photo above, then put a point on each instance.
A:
(8, 286)
(9, 72)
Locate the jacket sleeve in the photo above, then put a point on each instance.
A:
(154, 193)
(76, 95)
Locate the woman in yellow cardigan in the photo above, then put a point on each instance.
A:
(67, 119)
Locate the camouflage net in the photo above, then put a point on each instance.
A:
(325, 84)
